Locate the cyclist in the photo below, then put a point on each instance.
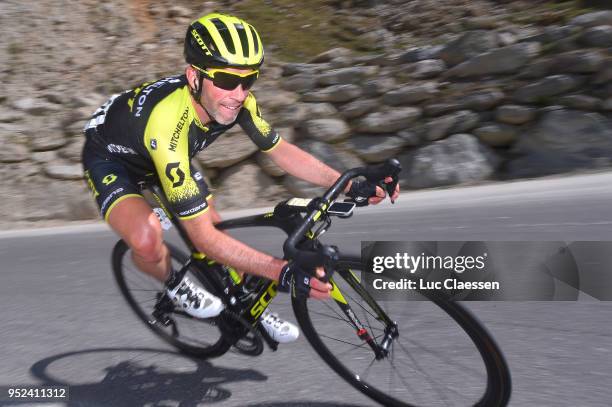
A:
(158, 127)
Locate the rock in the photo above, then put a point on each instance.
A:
(327, 130)
(46, 142)
(514, 114)
(268, 166)
(428, 68)
(411, 138)
(63, 170)
(481, 23)
(458, 122)
(497, 135)
(375, 148)
(593, 19)
(73, 150)
(504, 60)
(554, 33)
(331, 54)
(358, 108)
(291, 115)
(482, 100)
(287, 133)
(377, 86)
(547, 87)
(334, 94)
(43, 157)
(302, 82)
(374, 40)
(273, 98)
(580, 102)
(467, 46)
(320, 110)
(230, 148)
(344, 76)
(506, 38)
(9, 115)
(456, 159)
(416, 54)
(600, 36)
(290, 69)
(579, 62)
(604, 76)
(543, 162)
(411, 94)
(13, 153)
(387, 121)
(256, 188)
(36, 107)
(570, 132)
(538, 69)
(437, 109)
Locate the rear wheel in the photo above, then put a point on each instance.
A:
(442, 355)
(197, 337)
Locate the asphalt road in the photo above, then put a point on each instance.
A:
(63, 320)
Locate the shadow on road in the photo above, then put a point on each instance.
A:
(134, 377)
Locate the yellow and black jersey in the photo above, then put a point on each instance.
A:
(154, 128)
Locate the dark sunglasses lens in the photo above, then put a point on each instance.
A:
(228, 81)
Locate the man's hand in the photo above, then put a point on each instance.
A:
(292, 276)
(361, 191)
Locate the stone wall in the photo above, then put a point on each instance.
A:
(492, 102)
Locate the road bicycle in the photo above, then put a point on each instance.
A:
(399, 353)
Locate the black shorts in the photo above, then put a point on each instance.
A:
(111, 182)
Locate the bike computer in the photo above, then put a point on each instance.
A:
(341, 209)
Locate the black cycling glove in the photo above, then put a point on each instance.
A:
(293, 278)
(360, 191)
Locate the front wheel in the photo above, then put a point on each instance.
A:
(197, 337)
(440, 354)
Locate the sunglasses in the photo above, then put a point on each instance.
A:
(228, 80)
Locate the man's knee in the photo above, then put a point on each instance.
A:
(146, 241)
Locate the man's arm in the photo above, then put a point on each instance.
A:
(301, 164)
(224, 249)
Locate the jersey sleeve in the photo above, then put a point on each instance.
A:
(258, 130)
(166, 139)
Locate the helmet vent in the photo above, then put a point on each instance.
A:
(243, 40)
(255, 38)
(225, 35)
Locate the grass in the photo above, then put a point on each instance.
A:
(295, 31)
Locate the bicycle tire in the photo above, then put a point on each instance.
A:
(498, 381)
(200, 350)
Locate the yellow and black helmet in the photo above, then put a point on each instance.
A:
(220, 40)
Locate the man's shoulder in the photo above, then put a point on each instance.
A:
(147, 96)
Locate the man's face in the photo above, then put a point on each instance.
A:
(223, 105)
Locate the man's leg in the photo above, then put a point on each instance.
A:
(136, 223)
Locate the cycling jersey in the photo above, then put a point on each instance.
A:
(154, 128)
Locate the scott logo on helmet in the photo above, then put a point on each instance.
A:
(200, 41)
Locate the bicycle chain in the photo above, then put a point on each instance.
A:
(244, 344)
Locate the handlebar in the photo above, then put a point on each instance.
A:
(328, 255)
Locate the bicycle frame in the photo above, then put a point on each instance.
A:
(268, 290)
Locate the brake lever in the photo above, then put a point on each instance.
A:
(330, 257)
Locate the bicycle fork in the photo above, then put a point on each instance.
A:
(381, 350)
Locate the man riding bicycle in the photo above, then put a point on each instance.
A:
(158, 127)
